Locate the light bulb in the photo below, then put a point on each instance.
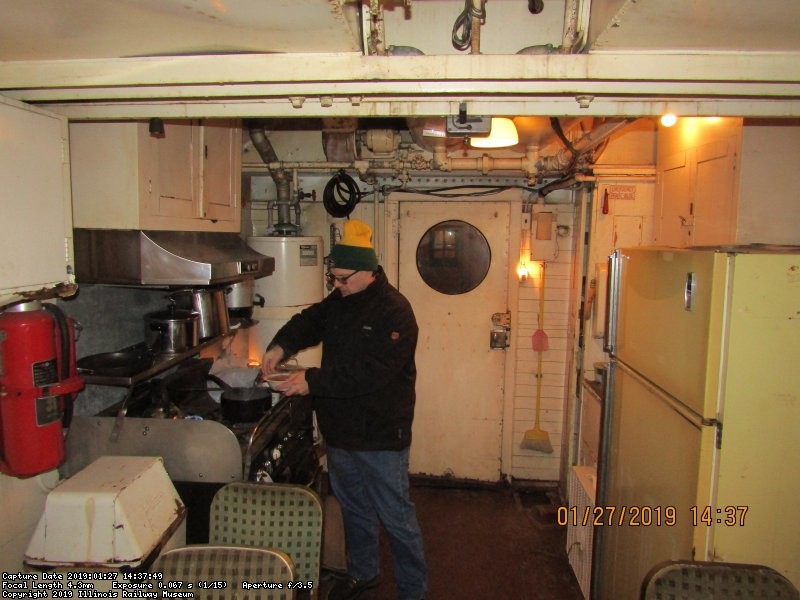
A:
(668, 120)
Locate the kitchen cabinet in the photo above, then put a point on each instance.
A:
(726, 181)
(187, 180)
(36, 227)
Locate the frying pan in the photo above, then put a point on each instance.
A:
(242, 404)
(122, 363)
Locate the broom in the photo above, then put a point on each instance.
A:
(536, 438)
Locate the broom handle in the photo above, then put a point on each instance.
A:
(539, 354)
(538, 390)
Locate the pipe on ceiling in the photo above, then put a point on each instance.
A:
(376, 42)
(568, 157)
(284, 203)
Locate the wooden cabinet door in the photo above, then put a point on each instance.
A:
(674, 200)
(715, 203)
(36, 226)
(177, 181)
(221, 167)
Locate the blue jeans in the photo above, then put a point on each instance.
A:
(372, 488)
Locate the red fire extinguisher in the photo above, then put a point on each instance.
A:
(38, 385)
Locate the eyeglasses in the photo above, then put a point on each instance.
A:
(330, 277)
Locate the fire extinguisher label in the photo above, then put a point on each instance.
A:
(47, 410)
(45, 373)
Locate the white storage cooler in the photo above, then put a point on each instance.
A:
(120, 512)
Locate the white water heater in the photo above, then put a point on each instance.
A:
(297, 282)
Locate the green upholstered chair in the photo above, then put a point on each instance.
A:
(273, 515)
(225, 569)
(695, 580)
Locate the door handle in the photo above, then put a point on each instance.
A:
(688, 292)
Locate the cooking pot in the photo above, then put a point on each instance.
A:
(240, 299)
(210, 306)
(171, 331)
(243, 404)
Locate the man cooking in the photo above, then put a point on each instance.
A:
(364, 394)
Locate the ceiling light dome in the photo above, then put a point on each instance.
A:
(503, 133)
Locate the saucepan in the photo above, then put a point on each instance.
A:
(243, 404)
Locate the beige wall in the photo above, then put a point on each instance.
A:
(21, 505)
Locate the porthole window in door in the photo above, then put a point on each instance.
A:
(453, 257)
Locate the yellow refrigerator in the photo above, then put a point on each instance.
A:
(699, 441)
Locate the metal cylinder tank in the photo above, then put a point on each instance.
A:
(296, 283)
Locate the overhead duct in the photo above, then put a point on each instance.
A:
(339, 139)
(283, 202)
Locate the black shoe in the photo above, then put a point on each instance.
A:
(350, 588)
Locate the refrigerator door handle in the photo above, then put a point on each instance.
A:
(689, 290)
(718, 424)
(612, 303)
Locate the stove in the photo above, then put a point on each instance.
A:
(279, 447)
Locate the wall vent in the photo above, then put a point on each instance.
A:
(581, 490)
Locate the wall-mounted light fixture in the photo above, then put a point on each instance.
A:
(156, 128)
(503, 133)
(669, 119)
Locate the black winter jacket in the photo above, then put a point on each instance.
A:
(364, 391)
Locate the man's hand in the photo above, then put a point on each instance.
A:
(295, 385)
(272, 358)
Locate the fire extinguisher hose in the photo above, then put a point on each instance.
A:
(64, 338)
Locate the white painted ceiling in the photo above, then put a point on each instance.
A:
(250, 57)
(59, 29)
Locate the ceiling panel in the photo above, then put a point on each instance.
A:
(696, 25)
(59, 29)
(78, 29)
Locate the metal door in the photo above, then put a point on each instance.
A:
(460, 384)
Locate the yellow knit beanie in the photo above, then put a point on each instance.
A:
(354, 250)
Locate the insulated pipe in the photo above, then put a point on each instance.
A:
(283, 203)
(531, 165)
(262, 144)
(475, 27)
(570, 41)
(486, 163)
(591, 140)
(376, 42)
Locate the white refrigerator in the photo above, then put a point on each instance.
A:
(701, 417)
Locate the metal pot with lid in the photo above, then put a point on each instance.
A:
(209, 304)
(171, 331)
(240, 298)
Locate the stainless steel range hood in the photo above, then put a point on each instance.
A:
(190, 258)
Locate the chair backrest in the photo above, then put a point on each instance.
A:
(274, 515)
(694, 580)
(227, 566)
